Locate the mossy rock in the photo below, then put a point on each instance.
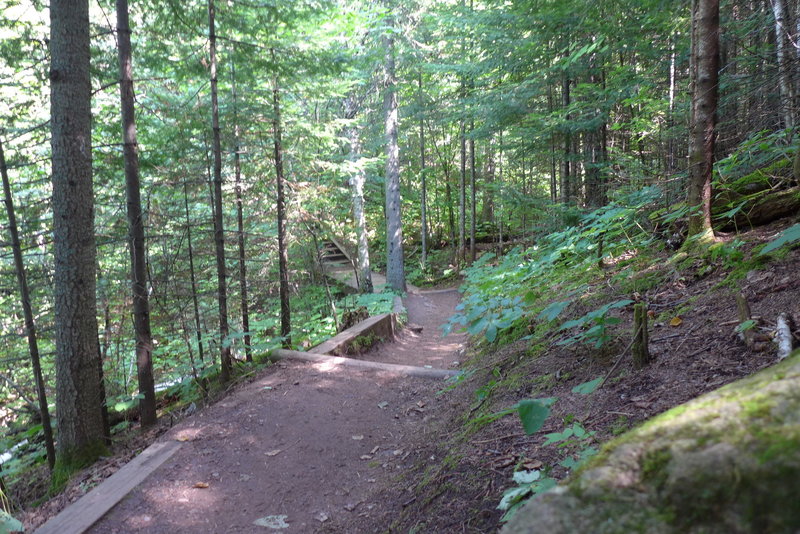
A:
(726, 462)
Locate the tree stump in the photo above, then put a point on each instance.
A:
(639, 349)
(746, 333)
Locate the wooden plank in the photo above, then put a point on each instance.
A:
(82, 514)
(406, 370)
(343, 338)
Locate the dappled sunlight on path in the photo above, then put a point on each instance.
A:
(305, 445)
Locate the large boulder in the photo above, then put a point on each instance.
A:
(726, 462)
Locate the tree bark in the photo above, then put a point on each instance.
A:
(704, 116)
(283, 256)
(395, 272)
(78, 366)
(462, 192)
(566, 185)
(136, 242)
(357, 180)
(473, 192)
(424, 187)
(27, 310)
(237, 168)
(553, 150)
(192, 276)
(219, 223)
(785, 61)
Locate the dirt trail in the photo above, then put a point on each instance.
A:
(300, 448)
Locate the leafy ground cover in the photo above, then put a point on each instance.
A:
(564, 343)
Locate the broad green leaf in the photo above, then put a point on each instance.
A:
(512, 495)
(491, 333)
(587, 387)
(790, 235)
(526, 477)
(9, 523)
(555, 437)
(533, 414)
(578, 431)
(554, 310)
(478, 326)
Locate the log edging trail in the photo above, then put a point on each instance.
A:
(335, 361)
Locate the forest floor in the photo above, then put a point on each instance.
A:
(303, 449)
(299, 448)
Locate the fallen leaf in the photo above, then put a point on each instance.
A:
(358, 438)
(676, 321)
(273, 452)
(272, 521)
(201, 485)
(366, 457)
(504, 461)
(531, 465)
(421, 404)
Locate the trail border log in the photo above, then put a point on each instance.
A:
(406, 370)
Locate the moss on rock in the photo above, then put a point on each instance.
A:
(726, 462)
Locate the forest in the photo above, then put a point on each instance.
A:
(174, 171)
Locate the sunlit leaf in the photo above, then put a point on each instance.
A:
(272, 521)
(526, 477)
(790, 235)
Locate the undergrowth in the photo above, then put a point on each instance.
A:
(565, 265)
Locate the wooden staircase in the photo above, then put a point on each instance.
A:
(331, 256)
(337, 263)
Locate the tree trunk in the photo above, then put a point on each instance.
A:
(553, 159)
(525, 195)
(78, 367)
(357, 181)
(473, 201)
(237, 168)
(462, 192)
(566, 185)
(136, 244)
(670, 163)
(219, 223)
(27, 310)
(500, 194)
(785, 61)
(283, 256)
(395, 273)
(424, 187)
(488, 183)
(704, 113)
(192, 277)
